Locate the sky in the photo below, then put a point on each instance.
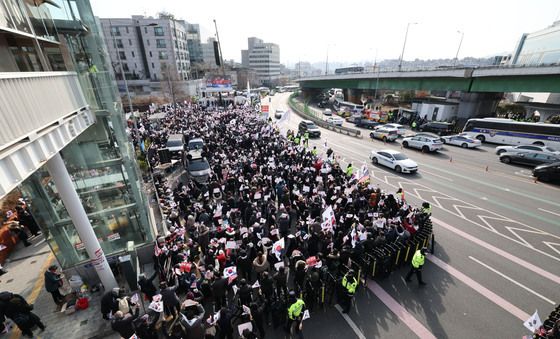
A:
(355, 31)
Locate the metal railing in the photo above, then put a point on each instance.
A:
(30, 102)
(303, 111)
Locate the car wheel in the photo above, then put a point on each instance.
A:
(444, 141)
(398, 169)
(384, 139)
(425, 149)
(501, 151)
(481, 138)
(538, 143)
(464, 145)
(374, 160)
(405, 144)
(505, 160)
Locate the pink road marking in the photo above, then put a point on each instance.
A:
(405, 317)
(493, 297)
(511, 257)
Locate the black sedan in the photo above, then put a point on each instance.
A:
(529, 158)
(548, 172)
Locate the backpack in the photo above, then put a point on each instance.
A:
(123, 305)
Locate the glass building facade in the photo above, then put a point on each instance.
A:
(101, 161)
(541, 47)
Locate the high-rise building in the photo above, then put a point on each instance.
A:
(151, 50)
(64, 145)
(264, 57)
(194, 43)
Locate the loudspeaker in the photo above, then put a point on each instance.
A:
(164, 156)
(217, 54)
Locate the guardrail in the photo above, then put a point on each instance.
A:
(301, 109)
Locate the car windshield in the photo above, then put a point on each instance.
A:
(174, 143)
(310, 126)
(400, 156)
(198, 165)
(195, 145)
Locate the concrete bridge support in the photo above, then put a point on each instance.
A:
(477, 105)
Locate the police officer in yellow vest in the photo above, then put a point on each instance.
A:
(314, 151)
(306, 139)
(295, 311)
(417, 263)
(349, 170)
(297, 139)
(349, 285)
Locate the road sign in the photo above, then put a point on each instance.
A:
(264, 108)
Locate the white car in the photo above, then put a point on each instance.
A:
(394, 160)
(461, 140)
(194, 148)
(424, 143)
(327, 112)
(526, 148)
(385, 134)
(337, 121)
(400, 128)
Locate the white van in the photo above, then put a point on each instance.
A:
(175, 144)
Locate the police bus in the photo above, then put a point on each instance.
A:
(511, 132)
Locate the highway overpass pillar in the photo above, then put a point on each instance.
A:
(477, 104)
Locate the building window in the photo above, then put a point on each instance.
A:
(160, 43)
(153, 66)
(132, 52)
(148, 42)
(125, 67)
(151, 56)
(115, 31)
(158, 31)
(145, 30)
(126, 27)
(119, 43)
(130, 42)
(122, 56)
(162, 55)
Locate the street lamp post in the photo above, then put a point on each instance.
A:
(458, 48)
(327, 62)
(404, 44)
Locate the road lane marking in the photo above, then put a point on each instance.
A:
(513, 281)
(404, 316)
(493, 297)
(500, 252)
(350, 322)
(437, 175)
(547, 211)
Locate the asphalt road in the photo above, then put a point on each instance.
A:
(497, 257)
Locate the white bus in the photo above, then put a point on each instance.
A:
(511, 132)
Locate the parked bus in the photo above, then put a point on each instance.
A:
(349, 70)
(511, 132)
(346, 108)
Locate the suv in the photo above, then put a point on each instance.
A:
(439, 128)
(424, 143)
(198, 170)
(310, 127)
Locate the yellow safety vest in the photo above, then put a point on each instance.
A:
(314, 151)
(418, 259)
(350, 286)
(427, 210)
(295, 309)
(349, 171)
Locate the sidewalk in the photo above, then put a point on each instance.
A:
(26, 266)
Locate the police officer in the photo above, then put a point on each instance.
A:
(417, 263)
(314, 151)
(306, 139)
(295, 311)
(297, 139)
(349, 170)
(349, 284)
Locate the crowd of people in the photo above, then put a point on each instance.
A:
(253, 248)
